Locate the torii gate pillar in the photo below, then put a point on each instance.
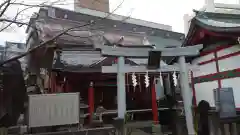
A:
(121, 92)
(186, 94)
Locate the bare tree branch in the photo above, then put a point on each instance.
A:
(4, 28)
(55, 37)
(44, 4)
(42, 44)
(5, 2)
(14, 21)
(5, 8)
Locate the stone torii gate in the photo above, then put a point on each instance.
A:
(121, 69)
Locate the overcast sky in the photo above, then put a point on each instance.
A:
(168, 12)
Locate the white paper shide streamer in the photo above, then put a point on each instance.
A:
(134, 80)
(161, 80)
(146, 80)
(175, 81)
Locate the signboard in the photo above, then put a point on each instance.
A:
(225, 103)
(53, 109)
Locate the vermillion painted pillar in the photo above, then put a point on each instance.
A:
(154, 104)
(121, 92)
(67, 88)
(91, 101)
(53, 83)
(186, 94)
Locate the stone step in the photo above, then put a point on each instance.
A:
(139, 124)
(83, 106)
(160, 130)
(156, 128)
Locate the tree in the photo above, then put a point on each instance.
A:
(15, 13)
(20, 19)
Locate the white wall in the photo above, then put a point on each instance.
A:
(206, 68)
(229, 50)
(204, 91)
(235, 84)
(231, 62)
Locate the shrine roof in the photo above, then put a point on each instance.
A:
(87, 64)
(219, 26)
(212, 29)
(50, 21)
(73, 61)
